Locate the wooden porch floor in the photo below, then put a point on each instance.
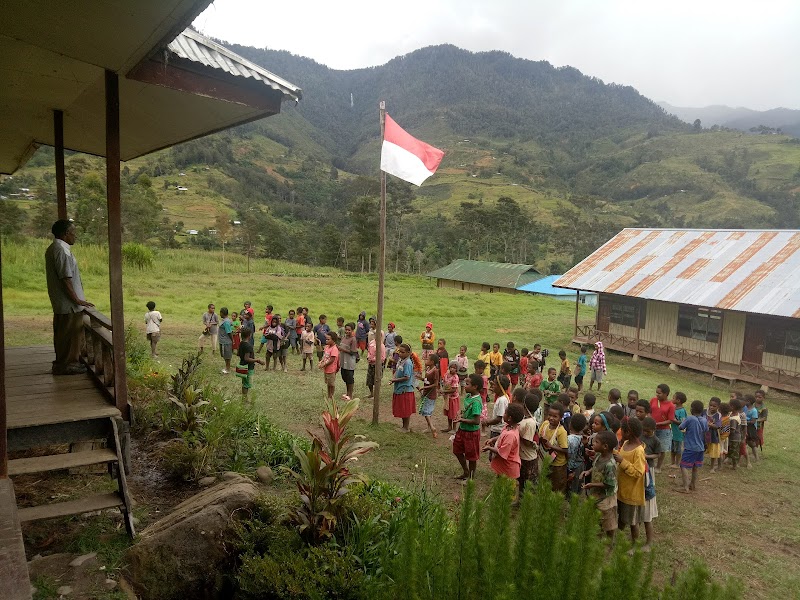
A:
(34, 396)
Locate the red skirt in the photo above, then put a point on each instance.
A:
(452, 409)
(404, 405)
(237, 339)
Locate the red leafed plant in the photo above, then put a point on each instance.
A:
(324, 474)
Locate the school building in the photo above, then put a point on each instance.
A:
(726, 302)
(484, 276)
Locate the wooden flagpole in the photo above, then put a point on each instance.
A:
(376, 389)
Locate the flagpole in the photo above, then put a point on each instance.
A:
(376, 389)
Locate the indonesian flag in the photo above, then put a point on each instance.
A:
(405, 156)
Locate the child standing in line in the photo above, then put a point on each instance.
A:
(395, 357)
(565, 371)
(752, 427)
(694, 428)
(450, 393)
(480, 369)
(633, 398)
(552, 387)
(467, 441)
(553, 440)
(677, 434)
(417, 365)
(390, 344)
(714, 419)
(152, 321)
(495, 360)
(631, 466)
(589, 401)
(763, 414)
(340, 327)
(523, 364)
(537, 355)
(225, 339)
(505, 447)
(362, 332)
(724, 432)
(501, 402)
(738, 431)
(603, 485)
(443, 356)
(247, 363)
(642, 409)
(533, 378)
(307, 339)
(330, 362)
(321, 331)
(652, 448)
(372, 361)
(427, 338)
(403, 400)
(614, 397)
(574, 408)
(430, 388)
(575, 453)
(237, 330)
(529, 441)
(290, 325)
(580, 369)
(463, 366)
(483, 356)
(512, 358)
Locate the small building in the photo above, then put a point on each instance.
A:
(544, 287)
(726, 302)
(483, 276)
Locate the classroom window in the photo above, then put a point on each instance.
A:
(699, 323)
(627, 312)
(785, 342)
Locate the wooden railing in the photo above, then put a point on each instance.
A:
(98, 353)
(585, 331)
(774, 374)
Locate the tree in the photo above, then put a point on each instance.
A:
(697, 125)
(12, 218)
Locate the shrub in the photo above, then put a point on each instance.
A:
(137, 255)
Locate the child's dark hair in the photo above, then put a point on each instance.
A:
(442, 341)
(583, 349)
(518, 395)
(633, 393)
(649, 423)
(614, 394)
(537, 393)
(573, 389)
(485, 346)
(577, 422)
(680, 397)
(269, 307)
(563, 399)
(608, 439)
(589, 399)
(697, 407)
(617, 411)
(534, 364)
(476, 381)
(480, 365)
(735, 404)
(223, 312)
(559, 407)
(524, 352)
(664, 388)
(515, 413)
(645, 405)
(553, 369)
(504, 381)
(321, 317)
(434, 358)
(633, 427)
(738, 395)
(562, 354)
(715, 400)
(532, 402)
(608, 419)
(510, 345)
(351, 325)
(245, 333)
(151, 305)
(406, 347)
(725, 408)
(398, 339)
(340, 320)
(505, 368)
(334, 336)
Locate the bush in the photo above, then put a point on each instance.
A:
(137, 255)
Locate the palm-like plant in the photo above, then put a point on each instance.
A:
(324, 474)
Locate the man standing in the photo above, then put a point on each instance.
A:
(65, 289)
(210, 329)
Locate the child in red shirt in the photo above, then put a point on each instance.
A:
(505, 447)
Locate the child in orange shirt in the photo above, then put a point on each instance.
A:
(505, 447)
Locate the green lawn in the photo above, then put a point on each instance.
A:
(737, 528)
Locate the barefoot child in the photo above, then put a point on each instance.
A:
(483, 356)
(575, 453)
(225, 339)
(528, 439)
(694, 428)
(451, 395)
(580, 371)
(307, 339)
(630, 477)
(724, 432)
(152, 320)
(430, 388)
(677, 435)
(467, 441)
(652, 448)
(427, 338)
(403, 399)
(738, 431)
(480, 369)
(330, 362)
(603, 486)
(247, 363)
(553, 440)
(463, 366)
(714, 420)
(495, 422)
(505, 448)
(444, 357)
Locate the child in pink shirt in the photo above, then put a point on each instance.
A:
(505, 447)
(452, 396)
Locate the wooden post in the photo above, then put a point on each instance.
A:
(577, 306)
(638, 323)
(114, 205)
(719, 339)
(3, 419)
(61, 181)
(376, 389)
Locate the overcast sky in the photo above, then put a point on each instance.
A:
(688, 53)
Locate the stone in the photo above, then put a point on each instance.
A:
(110, 584)
(64, 590)
(207, 481)
(173, 560)
(635, 358)
(764, 388)
(673, 367)
(83, 559)
(230, 476)
(265, 474)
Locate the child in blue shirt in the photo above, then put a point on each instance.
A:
(580, 368)
(694, 428)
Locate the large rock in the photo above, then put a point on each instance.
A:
(187, 553)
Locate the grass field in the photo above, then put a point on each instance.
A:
(742, 524)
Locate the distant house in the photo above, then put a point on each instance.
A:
(483, 276)
(726, 302)
(544, 287)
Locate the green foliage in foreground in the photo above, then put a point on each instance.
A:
(409, 548)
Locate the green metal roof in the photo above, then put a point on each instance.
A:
(494, 274)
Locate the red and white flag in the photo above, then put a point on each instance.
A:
(407, 157)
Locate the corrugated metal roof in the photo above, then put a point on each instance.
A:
(545, 286)
(755, 271)
(193, 46)
(505, 275)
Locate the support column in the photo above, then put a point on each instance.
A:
(577, 306)
(719, 338)
(61, 182)
(115, 241)
(3, 419)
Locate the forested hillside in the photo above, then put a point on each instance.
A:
(542, 165)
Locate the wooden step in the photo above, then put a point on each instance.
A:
(73, 507)
(54, 462)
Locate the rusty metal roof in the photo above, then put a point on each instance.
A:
(493, 274)
(191, 45)
(755, 271)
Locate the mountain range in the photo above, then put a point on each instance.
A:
(787, 120)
